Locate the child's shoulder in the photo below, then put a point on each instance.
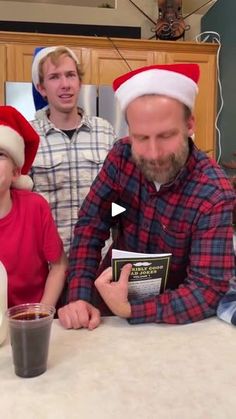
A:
(28, 197)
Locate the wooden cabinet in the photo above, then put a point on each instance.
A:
(103, 59)
(205, 109)
(107, 64)
(19, 61)
(3, 69)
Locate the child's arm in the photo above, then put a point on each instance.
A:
(55, 281)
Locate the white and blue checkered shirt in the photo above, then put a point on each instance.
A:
(65, 168)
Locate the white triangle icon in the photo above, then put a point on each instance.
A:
(116, 209)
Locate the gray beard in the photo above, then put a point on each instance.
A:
(156, 171)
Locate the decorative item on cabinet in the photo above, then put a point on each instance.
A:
(171, 23)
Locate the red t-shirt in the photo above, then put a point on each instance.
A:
(28, 241)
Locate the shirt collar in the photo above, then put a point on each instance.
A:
(42, 117)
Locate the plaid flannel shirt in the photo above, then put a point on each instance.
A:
(191, 217)
(64, 168)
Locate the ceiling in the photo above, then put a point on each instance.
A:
(188, 6)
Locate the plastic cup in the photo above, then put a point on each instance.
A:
(30, 328)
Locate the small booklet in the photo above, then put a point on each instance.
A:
(149, 272)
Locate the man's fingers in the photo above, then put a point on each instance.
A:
(95, 319)
(68, 317)
(104, 278)
(83, 317)
(79, 314)
(64, 318)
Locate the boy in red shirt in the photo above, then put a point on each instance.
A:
(30, 247)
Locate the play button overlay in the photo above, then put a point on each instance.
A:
(116, 209)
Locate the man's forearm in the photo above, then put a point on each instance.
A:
(181, 306)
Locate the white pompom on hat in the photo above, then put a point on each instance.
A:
(43, 53)
(20, 141)
(177, 81)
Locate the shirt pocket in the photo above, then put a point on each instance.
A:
(90, 165)
(48, 173)
(177, 241)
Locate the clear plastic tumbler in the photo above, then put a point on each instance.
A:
(30, 328)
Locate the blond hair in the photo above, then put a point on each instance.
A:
(55, 58)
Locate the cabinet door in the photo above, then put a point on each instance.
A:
(107, 64)
(205, 109)
(19, 61)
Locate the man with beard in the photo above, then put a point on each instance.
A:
(177, 201)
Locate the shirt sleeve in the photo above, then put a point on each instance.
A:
(226, 309)
(92, 230)
(52, 243)
(211, 266)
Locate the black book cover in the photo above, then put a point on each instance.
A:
(149, 272)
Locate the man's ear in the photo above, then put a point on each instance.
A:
(191, 125)
(41, 90)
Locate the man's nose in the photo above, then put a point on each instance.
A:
(153, 150)
(64, 81)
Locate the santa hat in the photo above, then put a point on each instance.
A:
(43, 53)
(177, 81)
(20, 141)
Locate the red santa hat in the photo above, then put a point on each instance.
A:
(177, 81)
(43, 53)
(20, 141)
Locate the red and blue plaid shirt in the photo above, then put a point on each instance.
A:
(190, 217)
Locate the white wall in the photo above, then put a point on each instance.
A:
(124, 15)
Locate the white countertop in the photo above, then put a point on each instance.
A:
(120, 371)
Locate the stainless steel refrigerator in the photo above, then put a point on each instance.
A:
(96, 101)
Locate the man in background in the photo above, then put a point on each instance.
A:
(73, 145)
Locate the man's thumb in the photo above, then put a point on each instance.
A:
(125, 273)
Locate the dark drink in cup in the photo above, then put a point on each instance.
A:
(30, 327)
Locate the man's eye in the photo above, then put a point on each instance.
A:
(167, 136)
(141, 138)
(53, 77)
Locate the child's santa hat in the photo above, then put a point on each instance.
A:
(177, 81)
(20, 141)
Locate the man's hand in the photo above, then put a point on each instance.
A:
(79, 314)
(115, 294)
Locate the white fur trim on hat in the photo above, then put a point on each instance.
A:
(14, 145)
(161, 82)
(23, 182)
(42, 54)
